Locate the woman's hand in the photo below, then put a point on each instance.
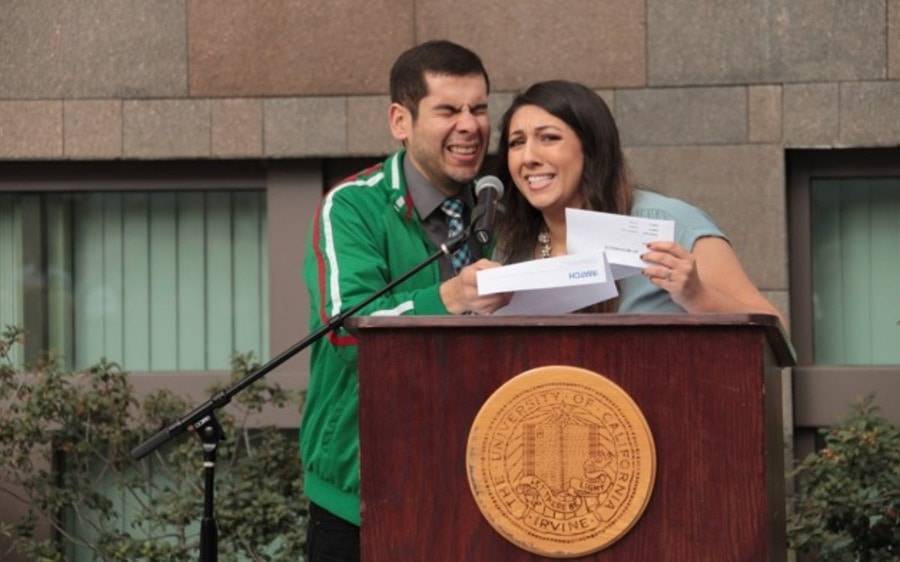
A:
(709, 278)
(673, 269)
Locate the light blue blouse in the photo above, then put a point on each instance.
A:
(638, 295)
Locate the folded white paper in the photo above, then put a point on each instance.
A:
(623, 238)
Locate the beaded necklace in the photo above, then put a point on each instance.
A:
(544, 242)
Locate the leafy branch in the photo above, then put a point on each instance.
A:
(64, 456)
(847, 507)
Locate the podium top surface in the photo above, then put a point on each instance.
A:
(775, 334)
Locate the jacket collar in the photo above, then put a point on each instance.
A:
(396, 182)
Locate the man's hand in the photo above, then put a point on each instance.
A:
(460, 294)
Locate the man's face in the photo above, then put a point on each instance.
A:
(448, 139)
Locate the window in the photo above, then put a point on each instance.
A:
(844, 213)
(12, 266)
(170, 279)
(855, 244)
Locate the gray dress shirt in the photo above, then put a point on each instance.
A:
(427, 200)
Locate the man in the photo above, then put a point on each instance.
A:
(371, 229)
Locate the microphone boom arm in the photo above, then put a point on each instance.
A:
(197, 417)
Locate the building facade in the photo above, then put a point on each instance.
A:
(200, 135)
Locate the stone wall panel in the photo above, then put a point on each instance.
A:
(166, 129)
(237, 128)
(293, 48)
(666, 116)
(811, 114)
(367, 131)
(764, 114)
(31, 129)
(894, 39)
(93, 49)
(93, 129)
(742, 189)
(597, 42)
(870, 113)
(735, 41)
(306, 127)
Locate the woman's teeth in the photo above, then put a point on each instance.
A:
(538, 180)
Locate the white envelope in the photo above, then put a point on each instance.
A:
(561, 271)
(550, 286)
(622, 237)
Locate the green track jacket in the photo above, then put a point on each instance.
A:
(365, 234)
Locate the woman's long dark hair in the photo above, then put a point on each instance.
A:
(604, 182)
(604, 179)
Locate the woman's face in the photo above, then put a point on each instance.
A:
(545, 160)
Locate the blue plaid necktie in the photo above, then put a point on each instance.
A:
(453, 208)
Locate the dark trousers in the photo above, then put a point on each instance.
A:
(329, 538)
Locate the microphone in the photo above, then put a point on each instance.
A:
(488, 191)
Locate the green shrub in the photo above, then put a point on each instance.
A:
(847, 505)
(64, 455)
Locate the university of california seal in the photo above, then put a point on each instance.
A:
(561, 461)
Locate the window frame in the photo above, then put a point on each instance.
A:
(823, 393)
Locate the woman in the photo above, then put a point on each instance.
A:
(560, 146)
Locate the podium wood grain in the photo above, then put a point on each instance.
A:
(708, 386)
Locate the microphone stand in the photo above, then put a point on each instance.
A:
(202, 419)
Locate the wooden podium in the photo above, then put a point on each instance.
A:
(708, 385)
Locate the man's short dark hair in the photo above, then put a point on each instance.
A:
(408, 85)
